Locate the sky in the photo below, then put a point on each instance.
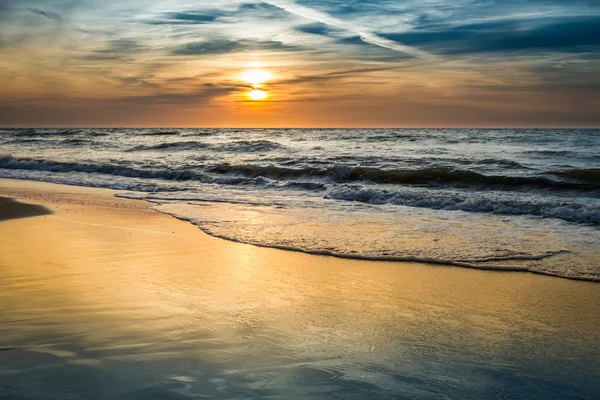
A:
(354, 63)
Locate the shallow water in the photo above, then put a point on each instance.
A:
(135, 305)
(512, 199)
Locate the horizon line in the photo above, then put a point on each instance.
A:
(298, 127)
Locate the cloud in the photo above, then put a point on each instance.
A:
(187, 18)
(558, 34)
(260, 11)
(365, 34)
(203, 94)
(315, 29)
(116, 49)
(249, 11)
(47, 14)
(220, 46)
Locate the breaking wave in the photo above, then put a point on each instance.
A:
(577, 179)
(578, 211)
(429, 176)
(591, 175)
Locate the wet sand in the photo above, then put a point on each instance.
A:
(102, 297)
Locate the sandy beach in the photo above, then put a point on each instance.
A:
(103, 297)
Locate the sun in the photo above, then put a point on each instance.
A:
(257, 95)
(256, 77)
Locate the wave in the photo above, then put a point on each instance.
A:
(242, 146)
(9, 162)
(70, 142)
(477, 263)
(44, 132)
(581, 180)
(249, 146)
(447, 176)
(552, 153)
(174, 146)
(306, 185)
(159, 133)
(508, 164)
(436, 176)
(591, 175)
(75, 142)
(180, 174)
(25, 140)
(482, 202)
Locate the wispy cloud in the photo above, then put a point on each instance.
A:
(365, 34)
(555, 34)
(47, 14)
(220, 46)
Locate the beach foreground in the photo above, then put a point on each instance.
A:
(102, 297)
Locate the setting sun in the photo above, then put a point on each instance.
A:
(257, 95)
(256, 77)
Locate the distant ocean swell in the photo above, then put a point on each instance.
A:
(399, 192)
(236, 146)
(577, 179)
(581, 180)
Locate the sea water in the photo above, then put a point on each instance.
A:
(505, 199)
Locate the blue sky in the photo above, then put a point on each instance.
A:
(330, 63)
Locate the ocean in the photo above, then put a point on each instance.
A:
(501, 199)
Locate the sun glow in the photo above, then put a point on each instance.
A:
(257, 95)
(256, 77)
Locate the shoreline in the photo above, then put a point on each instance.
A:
(117, 194)
(393, 259)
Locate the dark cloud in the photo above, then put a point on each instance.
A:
(315, 29)
(201, 17)
(188, 18)
(564, 34)
(353, 40)
(47, 14)
(193, 17)
(342, 7)
(261, 10)
(226, 46)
